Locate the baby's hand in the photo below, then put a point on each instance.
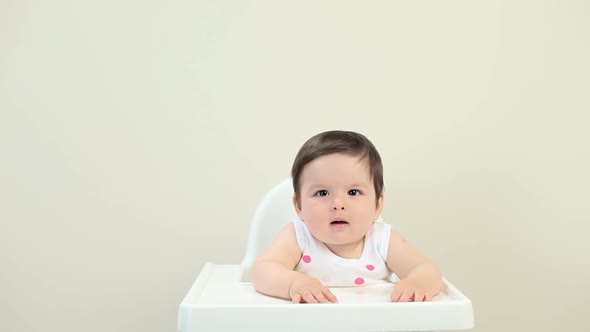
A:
(409, 290)
(306, 289)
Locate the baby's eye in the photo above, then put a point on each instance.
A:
(354, 192)
(321, 193)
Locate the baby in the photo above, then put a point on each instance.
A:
(334, 240)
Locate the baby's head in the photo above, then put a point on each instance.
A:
(343, 142)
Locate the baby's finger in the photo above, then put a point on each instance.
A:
(296, 298)
(317, 294)
(308, 297)
(397, 292)
(427, 297)
(418, 296)
(329, 296)
(406, 296)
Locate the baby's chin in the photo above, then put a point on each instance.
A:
(341, 241)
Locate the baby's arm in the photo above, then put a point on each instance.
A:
(420, 278)
(272, 273)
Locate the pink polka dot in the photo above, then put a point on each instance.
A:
(370, 267)
(326, 278)
(359, 281)
(306, 259)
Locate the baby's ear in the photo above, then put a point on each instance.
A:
(379, 207)
(297, 206)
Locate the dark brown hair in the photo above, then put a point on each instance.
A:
(338, 141)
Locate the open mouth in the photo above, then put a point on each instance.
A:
(339, 222)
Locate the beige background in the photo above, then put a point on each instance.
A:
(137, 138)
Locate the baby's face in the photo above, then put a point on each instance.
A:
(338, 202)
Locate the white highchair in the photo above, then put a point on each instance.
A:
(223, 299)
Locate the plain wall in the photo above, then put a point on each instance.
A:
(137, 138)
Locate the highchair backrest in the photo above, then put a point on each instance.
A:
(274, 211)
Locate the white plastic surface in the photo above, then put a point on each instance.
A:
(274, 211)
(217, 301)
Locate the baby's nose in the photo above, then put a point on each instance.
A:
(337, 204)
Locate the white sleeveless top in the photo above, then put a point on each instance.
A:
(319, 262)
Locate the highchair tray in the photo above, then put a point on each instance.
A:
(218, 301)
